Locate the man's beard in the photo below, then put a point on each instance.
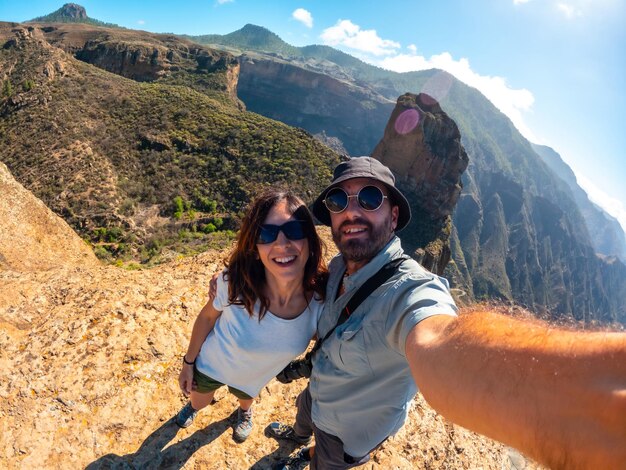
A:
(359, 250)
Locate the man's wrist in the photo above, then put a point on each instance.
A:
(188, 363)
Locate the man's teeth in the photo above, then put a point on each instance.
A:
(286, 259)
(355, 230)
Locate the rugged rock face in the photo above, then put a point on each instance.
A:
(71, 10)
(89, 358)
(605, 232)
(313, 101)
(147, 57)
(523, 247)
(32, 237)
(148, 62)
(422, 146)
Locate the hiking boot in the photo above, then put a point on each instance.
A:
(284, 431)
(186, 415)
(297, 462)
(244, 425)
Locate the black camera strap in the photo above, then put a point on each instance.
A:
(361, 294)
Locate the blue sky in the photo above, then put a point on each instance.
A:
(557, 68)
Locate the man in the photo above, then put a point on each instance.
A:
(558, 396)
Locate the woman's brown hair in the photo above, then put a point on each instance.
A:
(246, 273)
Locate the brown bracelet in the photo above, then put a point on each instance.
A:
(186, 362)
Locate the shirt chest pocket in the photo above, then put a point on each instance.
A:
(353, 351)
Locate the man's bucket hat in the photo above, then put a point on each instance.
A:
(364, 167)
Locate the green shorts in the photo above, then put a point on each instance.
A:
(205, 384)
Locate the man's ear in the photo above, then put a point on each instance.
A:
(395, 212)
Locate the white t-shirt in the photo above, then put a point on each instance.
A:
(246, 353)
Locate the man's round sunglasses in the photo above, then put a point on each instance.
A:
(293, 230)
(370, 198)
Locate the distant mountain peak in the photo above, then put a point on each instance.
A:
(253, 35)
(72, 10)
(253, 27)
(69, 13)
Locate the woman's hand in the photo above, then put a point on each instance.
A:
(201, 328)
(185, 379)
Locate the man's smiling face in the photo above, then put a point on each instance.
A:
(360, 234)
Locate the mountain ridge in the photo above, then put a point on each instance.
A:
(606, 233)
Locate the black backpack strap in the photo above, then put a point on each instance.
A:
(362, 293)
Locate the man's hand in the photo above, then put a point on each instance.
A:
(213, 286)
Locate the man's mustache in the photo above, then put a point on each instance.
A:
(358, 220)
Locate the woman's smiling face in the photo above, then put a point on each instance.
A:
(283, 259)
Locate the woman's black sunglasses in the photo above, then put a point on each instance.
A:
(293, 230)
(370, 198)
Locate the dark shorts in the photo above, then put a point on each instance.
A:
(205, 384)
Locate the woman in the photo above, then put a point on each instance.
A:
(265, 311)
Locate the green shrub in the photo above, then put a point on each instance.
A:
(205, 204)
(7, 89)
(28, 85)
(179, 207)
(209, 228)
(102, 253)
(114, 234)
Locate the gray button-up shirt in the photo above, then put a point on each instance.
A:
(361, 383)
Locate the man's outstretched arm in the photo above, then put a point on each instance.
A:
(558, 396)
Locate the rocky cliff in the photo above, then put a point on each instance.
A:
(148, 57)
(605, 233)
(313, 101)
(90, 354)
(422, 146)
(32, 238)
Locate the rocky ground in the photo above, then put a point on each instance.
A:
(90, 354)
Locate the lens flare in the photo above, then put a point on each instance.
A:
(407, 121)
(438, 86)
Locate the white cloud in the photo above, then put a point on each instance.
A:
(303, 17)
(141, 22)
(412, 48)
(612, 206)
(569, 10)
(347, 34)
(512, 102)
